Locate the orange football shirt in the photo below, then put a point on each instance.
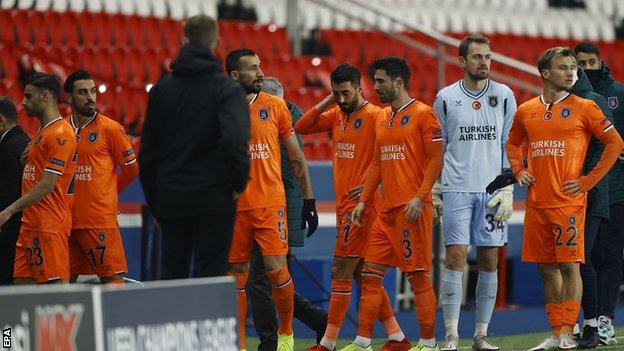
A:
(401, 138)
(353, 138)
(102, 146)
(52, 150)
(557, 136)
(269, 119)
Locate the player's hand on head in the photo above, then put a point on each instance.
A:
(526, 178)
(504, 200)
(309, 216)
(355, 192)
(571, 187)
(413, 209)
(358, 213)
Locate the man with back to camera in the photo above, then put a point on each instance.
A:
(193, 161)
(558, 127)
(42, 255)
(261, 208)
(475, 114)
(607, 252)
(13, 141)
(352, 121)
(95, 243)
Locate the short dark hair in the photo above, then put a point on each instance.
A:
(587, 47)
(464, 46)
(7, 109)
(232, 61)
(78, 75)
(545, 59)
(45, 81)
(394, 66)
(346, 73)
(201, 29)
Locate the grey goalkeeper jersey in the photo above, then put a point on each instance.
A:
(475, 127)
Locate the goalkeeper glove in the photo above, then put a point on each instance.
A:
(501, 181)
(504, 200)
(309, 216)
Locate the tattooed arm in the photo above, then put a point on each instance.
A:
(299, 165)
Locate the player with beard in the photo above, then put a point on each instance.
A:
(407, 161)
(476, 114)
(95, 244)
(261, 212)
(352, 121)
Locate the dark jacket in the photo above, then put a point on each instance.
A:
(613, 92)
(11, 148)
(294, 194)
(194, 139)
(598, 196)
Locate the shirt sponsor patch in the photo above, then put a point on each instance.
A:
(56, 161)
(128, 152)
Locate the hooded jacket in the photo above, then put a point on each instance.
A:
(194, 139)
(613, 92)
(598, 196)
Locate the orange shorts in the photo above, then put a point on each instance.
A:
(267, 226)
(351, 239)
(395, 242)
(97, 251)
(46, 254)
(21, 267)
(554, 235)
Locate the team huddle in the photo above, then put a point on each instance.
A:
(396, 171)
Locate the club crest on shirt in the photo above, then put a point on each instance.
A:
(406, 233)
(92, 137)
(38, 140)
(613, 102)
(357, 124)
(264, 114)
(280, 212)
(493, 101)
(476, 105)
(101, 236)
(390, 122)
(404, 120)
(547, 115)
(566, 112)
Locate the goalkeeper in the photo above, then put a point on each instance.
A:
(476, 114)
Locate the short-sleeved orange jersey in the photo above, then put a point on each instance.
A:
(102, 146)
(269, 119)
(558, 135)
(52, 150)
(400, 139)
(353, 139)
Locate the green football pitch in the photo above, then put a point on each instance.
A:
(507, 343)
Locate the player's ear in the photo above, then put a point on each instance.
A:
(234, 75)
(68, 98)
(462, 61)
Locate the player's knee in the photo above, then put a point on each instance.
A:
(549, 271)
(487, 263)
(419, 281)
(343, 268)
(569, 269)
(274, 263)
(455, 259)
(239, 267)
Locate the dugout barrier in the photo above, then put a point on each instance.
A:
(191, 314)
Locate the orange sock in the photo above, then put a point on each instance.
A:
(425, 300)
(241, 300)
(284, 296)
(554, 312)
(338, 306)
(370, 300)
(570, 311)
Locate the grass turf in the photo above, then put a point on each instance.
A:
(506, 343)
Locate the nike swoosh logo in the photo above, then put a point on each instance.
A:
(451, 294)
(492, 296)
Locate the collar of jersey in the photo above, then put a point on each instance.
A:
(471, 95)
(49, 123)
(549, 105)
(254, 99)
(71, 120)
(357, 110)
(402, 107)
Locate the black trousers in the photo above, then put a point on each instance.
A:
(607, 259)
(263, 309)
(588, 272)
(206, 238)
(8, 239)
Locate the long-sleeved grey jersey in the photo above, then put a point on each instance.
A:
(475, 127)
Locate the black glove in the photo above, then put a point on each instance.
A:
(501, 181)
(309, 216)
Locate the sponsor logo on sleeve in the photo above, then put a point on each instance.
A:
(128, 152)
(56, 161)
